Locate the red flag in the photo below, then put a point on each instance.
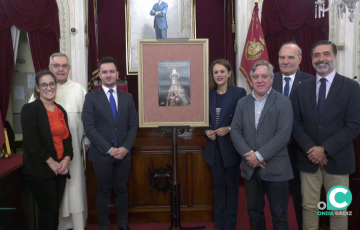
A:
(255, 47)
(2, 134)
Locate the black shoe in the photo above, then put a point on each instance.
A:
(126, 228)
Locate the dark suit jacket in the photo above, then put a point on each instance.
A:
(270, 138)
(278, 86)
(228, 151)
(335, 130)
(38, 144)
(100, 126)
(299, 78)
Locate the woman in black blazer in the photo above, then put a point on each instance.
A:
(220, 152)
(47, 149)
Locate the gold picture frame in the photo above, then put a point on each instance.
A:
(181, 23)
(152, 56)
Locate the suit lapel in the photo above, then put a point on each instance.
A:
(120, 104)
(159, 6)
(212, 100)
(104, 100)
(297, 80)
(269, 101)
(278, 83)
(250, 106)
(226, 103)
(312, 95)
(334, 88)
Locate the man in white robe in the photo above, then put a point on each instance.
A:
(71, 96)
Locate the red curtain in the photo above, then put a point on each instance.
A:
(92, 47)
(40, 18)
(6, 70)
(42, 45)
(283, 21)
(229, 36)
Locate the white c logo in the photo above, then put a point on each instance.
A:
(332, 197)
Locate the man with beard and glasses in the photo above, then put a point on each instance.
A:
(286, 82)
(326, 121)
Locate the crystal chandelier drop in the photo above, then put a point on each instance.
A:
(341, 8)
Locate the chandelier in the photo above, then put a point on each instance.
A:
(341, 8)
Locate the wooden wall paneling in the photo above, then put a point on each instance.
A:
(202, 192)
(142, 163)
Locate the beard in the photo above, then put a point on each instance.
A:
(322, 70)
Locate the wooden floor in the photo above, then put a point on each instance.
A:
(242, 223)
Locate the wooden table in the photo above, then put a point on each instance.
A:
(17, 209)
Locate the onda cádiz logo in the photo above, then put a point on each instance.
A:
(338, 198)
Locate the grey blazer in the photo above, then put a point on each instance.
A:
(269, 139)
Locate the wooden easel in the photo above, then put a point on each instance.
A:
(5, 149)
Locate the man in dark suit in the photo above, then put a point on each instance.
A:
(285, 82)
(260, 131)
(326, 121)
(110, 123)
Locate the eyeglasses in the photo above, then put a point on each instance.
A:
(57, 66)
(264, 77)
(44, 86)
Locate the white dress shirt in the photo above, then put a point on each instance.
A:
(292, 78)
(259, 106)
(106, 90)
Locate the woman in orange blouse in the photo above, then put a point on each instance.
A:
(47, 150)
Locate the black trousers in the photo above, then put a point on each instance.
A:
(48, 195)
(295, 187)
(113, 175)
(226, 193)
(278, 196)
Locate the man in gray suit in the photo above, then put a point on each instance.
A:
(260, 132)
(110, 123)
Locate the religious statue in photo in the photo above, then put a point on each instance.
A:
(177, 95)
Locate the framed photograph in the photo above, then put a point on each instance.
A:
(154, 19)
(173, 83)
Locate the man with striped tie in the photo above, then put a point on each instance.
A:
(285, 82)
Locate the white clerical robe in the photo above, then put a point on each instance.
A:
(73, 209)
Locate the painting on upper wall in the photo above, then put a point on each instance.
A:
(156, 19)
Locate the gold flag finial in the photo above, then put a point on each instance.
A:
(256, 1)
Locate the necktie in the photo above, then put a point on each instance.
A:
(321, 97)
(113, 108)
(287, 86)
